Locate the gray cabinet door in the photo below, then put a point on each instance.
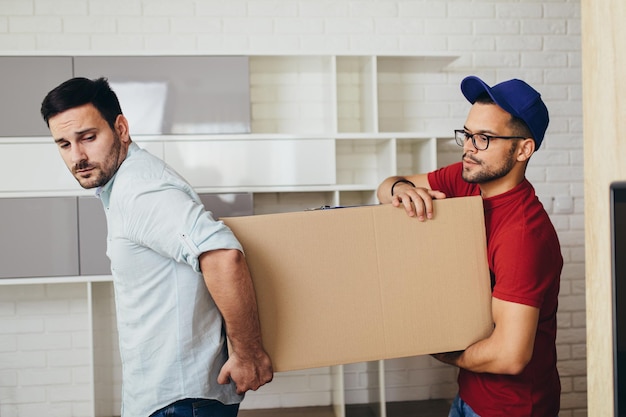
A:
(38, 237)
(228, 205)
(92, 232)
(24, 82)
(177, 94)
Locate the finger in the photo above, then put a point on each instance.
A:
(224, 376)
(428, 207)
(419, 200)
(240, 389)
(425, 208)
(428, 202)
(411, 206)
(406, 200)
(438, 195)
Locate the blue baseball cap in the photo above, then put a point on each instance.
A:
(517, 98)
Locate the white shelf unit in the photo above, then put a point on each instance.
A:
(325, 130)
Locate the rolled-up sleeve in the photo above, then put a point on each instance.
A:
(172, 221)
(206, 235)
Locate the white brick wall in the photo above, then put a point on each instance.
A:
(43, 347)
(45, 353)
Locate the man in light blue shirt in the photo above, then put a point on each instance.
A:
(165, 252)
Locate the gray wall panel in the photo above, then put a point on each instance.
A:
(177, 94)
(24, 81)
(38, 237)
(228, 205)
(92, 232)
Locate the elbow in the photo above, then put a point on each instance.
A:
(516, 365)
(380, 195)
(514, 368)
(232, 255)
(225, 255)
(221, 260)
(231, 260)
(384, 191)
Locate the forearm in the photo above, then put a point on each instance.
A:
(510, 346)
(483, 357)
(383, 193)
(228, 279)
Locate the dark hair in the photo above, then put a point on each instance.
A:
(79, 91)
(518, 126)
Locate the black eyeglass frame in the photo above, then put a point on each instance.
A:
(460, 136)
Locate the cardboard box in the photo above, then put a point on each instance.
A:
(367, 283)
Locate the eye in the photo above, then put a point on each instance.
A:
(481, 138)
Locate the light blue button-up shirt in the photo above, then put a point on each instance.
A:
(171, 336)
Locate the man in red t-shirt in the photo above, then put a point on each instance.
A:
(513, 371)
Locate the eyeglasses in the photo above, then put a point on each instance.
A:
(479, 140)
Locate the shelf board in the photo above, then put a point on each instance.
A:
(209, 190)
(233, 52)
(251, 136)
(287, 189)
(56, 280)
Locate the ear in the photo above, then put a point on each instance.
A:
(121, 128)
(525, 149)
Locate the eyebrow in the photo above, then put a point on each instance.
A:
(482, 132)
(79, 133)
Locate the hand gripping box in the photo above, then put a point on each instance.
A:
(367, 283)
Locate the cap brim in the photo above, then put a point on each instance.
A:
(472, 87)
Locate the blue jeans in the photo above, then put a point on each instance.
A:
(197, 407)
(460, 409)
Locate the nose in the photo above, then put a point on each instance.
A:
(468, 145)
(77, 154)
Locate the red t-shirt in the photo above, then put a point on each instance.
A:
(525, 262)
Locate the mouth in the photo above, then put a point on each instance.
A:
(84, 172)
(468, 160)
(468, 163)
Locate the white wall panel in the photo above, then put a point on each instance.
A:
(234, 163)
(34, 167)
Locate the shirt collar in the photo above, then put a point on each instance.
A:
(104, 191)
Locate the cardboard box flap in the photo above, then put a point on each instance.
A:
(367, 283)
